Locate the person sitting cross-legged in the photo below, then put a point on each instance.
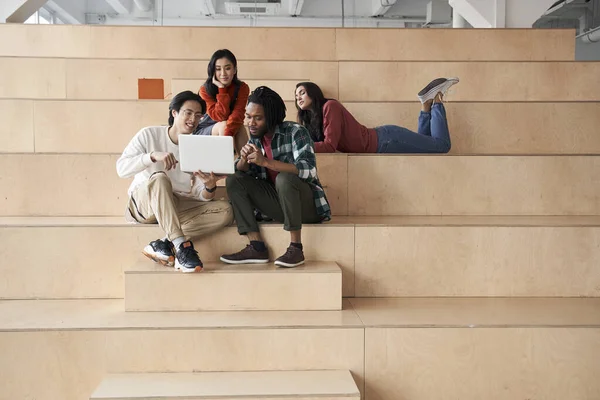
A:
(276, 174)
(181, 203)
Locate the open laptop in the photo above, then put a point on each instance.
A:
(206, 154)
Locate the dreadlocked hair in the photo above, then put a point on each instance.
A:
(272, 103)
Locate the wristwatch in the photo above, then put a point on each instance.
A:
(212, 190)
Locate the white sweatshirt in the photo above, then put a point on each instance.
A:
(136, 160)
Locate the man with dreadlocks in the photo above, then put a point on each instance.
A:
(276, 174)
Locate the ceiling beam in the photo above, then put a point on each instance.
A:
(18, 11)
(296, 7)
(67, 11)
(380, 7)
(120, 6)
(207, 7)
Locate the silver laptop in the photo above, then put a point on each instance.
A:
(206, 154)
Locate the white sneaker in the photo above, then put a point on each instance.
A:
(439, 85)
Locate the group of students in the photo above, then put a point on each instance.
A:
(275, 170)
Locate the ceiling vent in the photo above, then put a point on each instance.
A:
(252, 7)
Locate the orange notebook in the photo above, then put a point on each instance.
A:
(151, 89)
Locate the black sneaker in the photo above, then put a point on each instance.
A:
(160, 251)
(249, 255)
(292, 258)
(186, 258)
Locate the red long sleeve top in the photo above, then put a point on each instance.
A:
(218, 109)
(342, 132)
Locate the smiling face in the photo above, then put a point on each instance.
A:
(302, 100)
(225, 71)
(187, 118)
(255, 120)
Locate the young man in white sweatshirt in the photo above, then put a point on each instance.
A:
(161, 193)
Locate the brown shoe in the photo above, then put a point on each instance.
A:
(249, 255)
(292, 258)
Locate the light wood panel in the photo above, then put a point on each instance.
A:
(480, 81)
(477, 261)
(147, 42)
(473, 185)
(16, 133)
(455, 44)
(93, 126)
(32, 78)
(312, 286)
(80, 126)
(284, 87)
(118, 79)
(278, 385)
(69, 365)
(61, 185)
(469, 364)
(47, 273)
(90, 186)
(501, 128)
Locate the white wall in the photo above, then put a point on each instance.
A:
(523, 13)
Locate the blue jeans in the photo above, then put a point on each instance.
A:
(433, 136)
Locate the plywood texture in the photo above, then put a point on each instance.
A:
(32, 78)
(284, 87)
(476, 261)
(117, 79)
(494, 363)
(148, 42)
(501, 128)
(48, 274)
(455, 44)
(61, 185)
(473, 185)
(16, 133)
(93, 126)
(313, 286)
(480, 81)
(69, 365)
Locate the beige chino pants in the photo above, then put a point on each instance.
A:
(154, 202)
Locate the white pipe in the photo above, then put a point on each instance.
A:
(144, 5)
(592, 36)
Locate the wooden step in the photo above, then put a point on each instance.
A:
(432, 256)
(55, 126)
(279, 385)
(480, 81)
(286, 88)
(312, 286)
(164, 42)
(85, 340)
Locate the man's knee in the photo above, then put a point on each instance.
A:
(235, 181)
(285, 181)
(160, 180)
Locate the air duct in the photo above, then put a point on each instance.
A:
(144, 5)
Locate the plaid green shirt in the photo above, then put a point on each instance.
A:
(292, 144)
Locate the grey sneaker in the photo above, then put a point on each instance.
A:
(439, 85)
(160, 251)
(248, 255)
(292, 258)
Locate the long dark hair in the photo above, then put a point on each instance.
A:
(312, 119)
(178, 101)
(272, 103)
(210, 87)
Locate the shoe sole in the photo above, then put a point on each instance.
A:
(286, 265)
(249, 261)
(442, 87)
(167, 263)
(186, 270)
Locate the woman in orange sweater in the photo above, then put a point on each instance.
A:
(225, 96)
(333, 128)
